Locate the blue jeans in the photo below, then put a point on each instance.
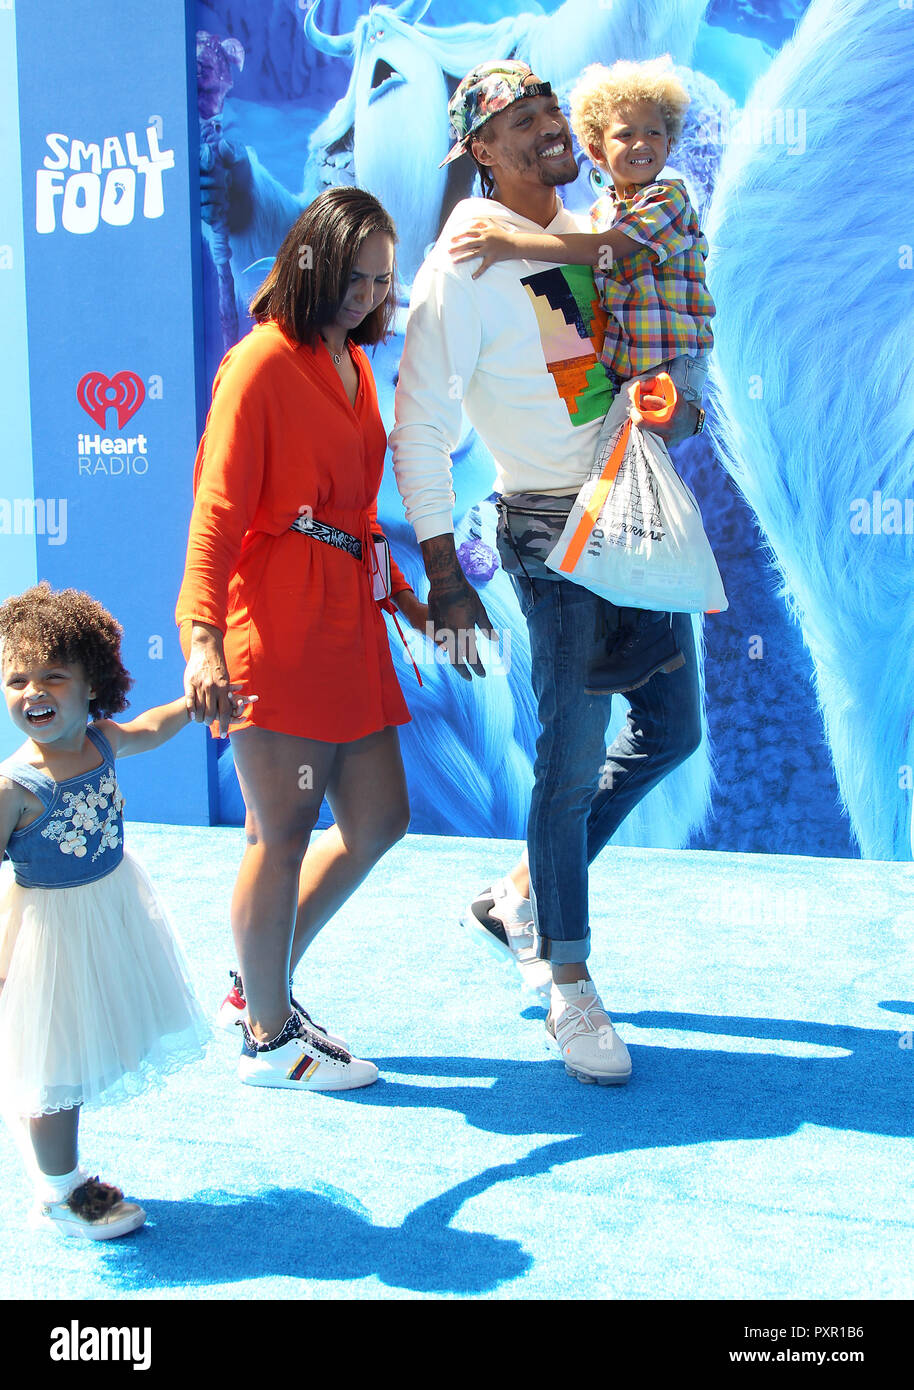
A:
(582, 791)
(688, 374)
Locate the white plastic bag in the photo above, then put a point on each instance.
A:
(635, 535)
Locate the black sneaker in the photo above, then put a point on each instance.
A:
(638, 652)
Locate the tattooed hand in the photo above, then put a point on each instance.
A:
(455, 609)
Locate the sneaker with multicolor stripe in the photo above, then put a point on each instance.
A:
(298, 1059)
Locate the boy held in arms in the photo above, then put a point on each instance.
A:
(650, 248)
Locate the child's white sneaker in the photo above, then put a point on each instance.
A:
(93, 1211)
(580, 1031)
(298, 1059)
(503, 921)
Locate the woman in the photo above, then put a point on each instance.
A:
(294, 437)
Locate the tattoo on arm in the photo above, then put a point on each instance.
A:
(442, 566)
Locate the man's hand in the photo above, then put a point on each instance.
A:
(682, 424)
(455, 609)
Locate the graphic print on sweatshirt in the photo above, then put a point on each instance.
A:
(572, 322)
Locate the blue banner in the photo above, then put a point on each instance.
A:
(17, 542)
(110, 264)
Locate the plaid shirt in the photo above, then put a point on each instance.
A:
(657, 301)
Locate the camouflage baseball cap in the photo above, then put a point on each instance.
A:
(485, 91)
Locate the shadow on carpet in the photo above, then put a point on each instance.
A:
(850, 1079)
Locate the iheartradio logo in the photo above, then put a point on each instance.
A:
(97, 394)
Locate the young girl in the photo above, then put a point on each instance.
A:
(93, 995)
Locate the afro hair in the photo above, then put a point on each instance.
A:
(602, 92)
(69, 626)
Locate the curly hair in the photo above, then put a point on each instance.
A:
(69, 626)
(601, 92)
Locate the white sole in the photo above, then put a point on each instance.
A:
(505, 956)
(586, 1077)
(272, 1080)
(71, 1231)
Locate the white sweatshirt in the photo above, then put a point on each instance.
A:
(521, 358)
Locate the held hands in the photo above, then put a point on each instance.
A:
(413, 609)
(488, 240)
(240, 702)
(209, 696)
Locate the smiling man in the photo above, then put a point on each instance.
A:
(518, 347)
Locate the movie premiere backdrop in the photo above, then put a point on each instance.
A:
(161, 157)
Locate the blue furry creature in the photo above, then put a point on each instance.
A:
(389, 131)
(811, 270)
(469, 750)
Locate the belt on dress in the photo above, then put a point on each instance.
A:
(308, 525)
(331, 535)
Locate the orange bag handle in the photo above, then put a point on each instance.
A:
(659, 385)
(600, 493)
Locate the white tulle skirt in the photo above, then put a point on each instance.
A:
(96, 1006)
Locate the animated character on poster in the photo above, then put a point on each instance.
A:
(813, 277)
(389, 131)
(479, 784)
(787, 447)
(214, 81)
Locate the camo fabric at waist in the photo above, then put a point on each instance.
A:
(529, 526)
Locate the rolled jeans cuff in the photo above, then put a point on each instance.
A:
(559, 951)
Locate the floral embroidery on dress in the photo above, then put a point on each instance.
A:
(91, 811)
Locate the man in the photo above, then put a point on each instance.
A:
(518, 348)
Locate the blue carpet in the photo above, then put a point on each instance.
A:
(762, 1149)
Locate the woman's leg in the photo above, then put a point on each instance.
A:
(283, 780)
(367, 794)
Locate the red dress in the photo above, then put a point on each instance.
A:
(302, 630)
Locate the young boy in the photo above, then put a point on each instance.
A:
(647, 240)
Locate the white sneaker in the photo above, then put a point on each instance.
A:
(93, 1211)
(234, 1008)
(579, 1030)
(510, 940)
(298, 1059)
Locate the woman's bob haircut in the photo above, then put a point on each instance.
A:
(310, 277)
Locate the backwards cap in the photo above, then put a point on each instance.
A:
(485, 91)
